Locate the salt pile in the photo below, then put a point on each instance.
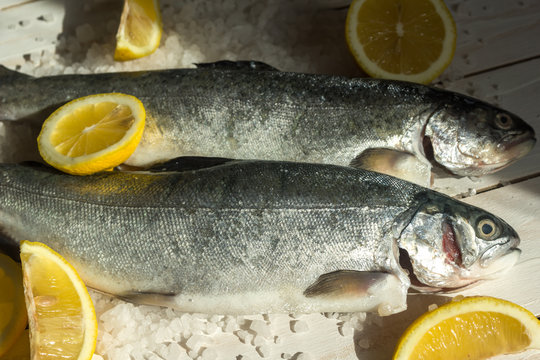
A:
(129, 331)
(299, 35)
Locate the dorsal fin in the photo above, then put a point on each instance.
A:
(188, 163)
(5, 72)
(238, 65)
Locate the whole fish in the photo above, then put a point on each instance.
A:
(255, 236)
(249, 110)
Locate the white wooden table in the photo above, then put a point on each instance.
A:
(497, 59)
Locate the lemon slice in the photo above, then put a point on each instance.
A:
(472, 328)
(140, 29)
(12, 308)
(61, 314)
(92, 133)
(412, 40)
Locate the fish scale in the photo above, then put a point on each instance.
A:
(245, 236)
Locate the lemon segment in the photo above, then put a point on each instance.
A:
(12, 309)
(92, 133)
(473, 328)
(412, 40)
(140, 29)
(61, 314)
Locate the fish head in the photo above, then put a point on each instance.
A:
(471, 138)
(450, 244)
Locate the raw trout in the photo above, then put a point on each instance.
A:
(249, 110)
(253, 236)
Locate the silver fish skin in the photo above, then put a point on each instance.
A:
(247, 237)
(249, 110)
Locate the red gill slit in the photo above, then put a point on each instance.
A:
(450, 246)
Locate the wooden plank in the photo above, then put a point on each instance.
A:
(519, 205)
(29, 28)
(494, 33)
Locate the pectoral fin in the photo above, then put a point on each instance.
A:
(345, 283)
(395, 163)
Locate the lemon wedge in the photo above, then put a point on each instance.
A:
(471, 328)
(61, 314)
(140, 30)
(412, 40)
(12, 309)
(92, 133)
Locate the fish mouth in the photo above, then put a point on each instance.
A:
(496, 267)
(518, 146)
(508, 151)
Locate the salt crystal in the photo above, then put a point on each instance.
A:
(85, 33)
(258, 340)
(263, 350)
(211, 328)
(299, 326)
(176, 325)
(161, 335)
(195, 342)
(162, 350)
(193, 354)
(286, 356)
(122, 353)
(174, 351)
(248, 339)
(97, 357)
(432, 307)
(215, 318)
(209, 354)
(230, 324)
(185, 319)
(242, 334)
(261, 328)
(198, 326)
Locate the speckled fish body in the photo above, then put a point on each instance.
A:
(255, 236)
(249, 110)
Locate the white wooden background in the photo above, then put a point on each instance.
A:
(497, 59)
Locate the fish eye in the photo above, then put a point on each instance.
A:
(503, 121)
(487, 229)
